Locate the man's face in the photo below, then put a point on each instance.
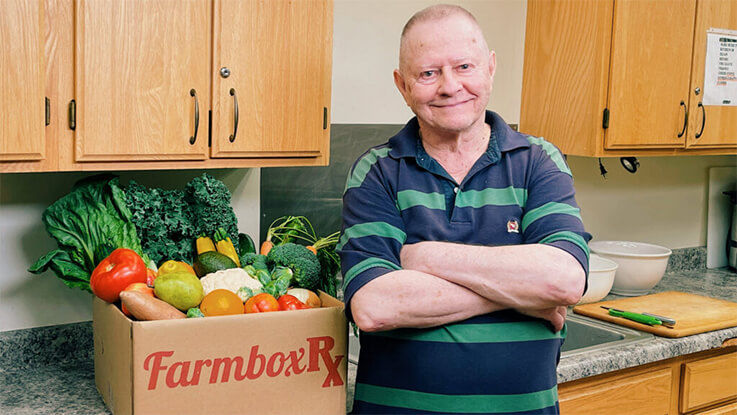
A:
(446, 74)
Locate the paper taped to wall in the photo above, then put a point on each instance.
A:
(720, 68)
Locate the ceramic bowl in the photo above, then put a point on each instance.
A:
(601, 278)
(640, 265)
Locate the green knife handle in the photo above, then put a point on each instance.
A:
(635, 317)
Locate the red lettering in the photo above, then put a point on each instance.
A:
(198, 369)
(270, 370)
(250, 374)
(316, 351)
(294, 362)
(333, 374)
(157, 366)
(170, 382)
(227, 363)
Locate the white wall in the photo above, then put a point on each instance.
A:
(28, 300)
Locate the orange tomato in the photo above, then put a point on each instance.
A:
(261, 303)
(221, 302)
(140, 287)
(175, 266)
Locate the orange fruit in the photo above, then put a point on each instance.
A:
(221, 302)
(175, 266)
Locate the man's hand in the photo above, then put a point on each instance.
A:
(555, 315)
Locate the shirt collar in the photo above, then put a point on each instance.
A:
(503, 139)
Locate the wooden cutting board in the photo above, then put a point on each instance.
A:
(693, 313)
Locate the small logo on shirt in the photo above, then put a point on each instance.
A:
(512, 226)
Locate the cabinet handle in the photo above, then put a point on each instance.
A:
(685, 119)
(235, 111)
(193, 93)
(703, 120)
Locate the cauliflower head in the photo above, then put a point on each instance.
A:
(229, 279)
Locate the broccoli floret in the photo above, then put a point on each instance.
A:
(300, 260)
(256, 260)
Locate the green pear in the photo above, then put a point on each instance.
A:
(183, 290)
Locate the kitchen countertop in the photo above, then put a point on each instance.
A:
(63, 382)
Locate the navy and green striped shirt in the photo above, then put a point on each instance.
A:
(520, 191)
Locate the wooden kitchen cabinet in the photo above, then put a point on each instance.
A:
(138, 86)
(614, 78)
(278, 63)
(22, 81)
(703, 383)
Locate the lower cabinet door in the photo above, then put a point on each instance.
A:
(641, 394)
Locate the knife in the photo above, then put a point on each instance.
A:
(638, 317)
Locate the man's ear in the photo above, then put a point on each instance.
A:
(401, 84)
(492, 65)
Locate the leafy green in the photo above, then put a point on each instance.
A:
(88, 223)
(169, 221)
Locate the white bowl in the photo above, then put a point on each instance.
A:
(641, 265)
(601, 277)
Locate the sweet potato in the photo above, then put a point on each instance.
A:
(144, 307)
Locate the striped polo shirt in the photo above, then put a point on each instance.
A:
(520, 191)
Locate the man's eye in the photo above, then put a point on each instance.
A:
(428, 74)
(464, 66)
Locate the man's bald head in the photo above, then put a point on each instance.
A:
(435, 13)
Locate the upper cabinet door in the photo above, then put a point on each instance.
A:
(142, 79)
(650, 73)
(719, 122)
(22, 80)
(272, 71)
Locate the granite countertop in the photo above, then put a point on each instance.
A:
(717, 283)
(50, 370)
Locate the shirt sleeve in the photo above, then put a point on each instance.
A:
(551, 214)
(372, 234)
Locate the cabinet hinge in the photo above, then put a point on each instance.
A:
(324, 118)
(72, 115)
(605, 121)
(47, 108)
(209, 128)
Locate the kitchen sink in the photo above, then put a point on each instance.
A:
(584, 335)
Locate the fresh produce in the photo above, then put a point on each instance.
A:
(194, 312)
(257, 261)
(300, 260)
(150, 277)
(306, 296)
(279, 283)
(145, 307)
(299, 228)
(204, 244)
(221, 302)
(183, 290)
(116, 272)
(212, 261)
(229, 279)
(175, 266)
(289, 302)
(225, 246)
(246, 244)
(88, 224)
(261, 303)
(138, 287)
(169, 220)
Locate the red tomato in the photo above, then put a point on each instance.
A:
(140, 287)
(290, 302)
(113, 274)
(261, 303)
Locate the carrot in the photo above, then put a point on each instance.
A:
(312, 248)
(266, 247)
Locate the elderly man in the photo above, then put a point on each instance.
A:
(462, 242)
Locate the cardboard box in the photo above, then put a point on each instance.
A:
(287, 362)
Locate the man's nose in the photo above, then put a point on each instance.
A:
(449, 83)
